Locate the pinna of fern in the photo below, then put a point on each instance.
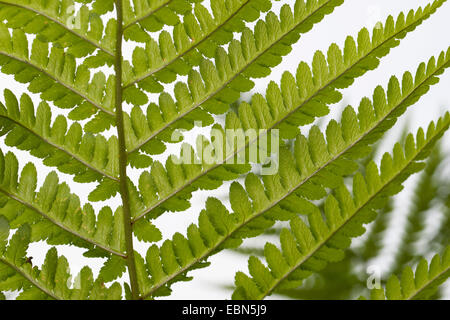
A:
(308, 248)
(289, 191)
(57, 54)
(357, 57)
(419, 285)
(346, 279)
(283, 108)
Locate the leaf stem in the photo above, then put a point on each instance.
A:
(123, 161)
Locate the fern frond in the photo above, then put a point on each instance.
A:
(56, 21)
(309, 248)
(337, 281)
(53, 212)
(420, 285)
(373, 244)
(70, 53)
(191, 40)
(151, 16)
(319, 165)
(89, 158)
(169, 189)
(57, 78)
(316, 88)
(52, 280)
(216, 86)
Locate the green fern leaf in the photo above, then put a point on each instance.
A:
(56, 76)
(164, 186)
(199, 96)
(372, 245)
(419, 286)
(425, 192)
(191, 40)
(197, 58)
(314, 166)
(57, 22)
(54, 213)
(52, 280)
(216, 86)
(308, 248)
(113, 269)
(88, 157)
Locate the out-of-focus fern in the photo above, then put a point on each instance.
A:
(425, 193)
(442, 236)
